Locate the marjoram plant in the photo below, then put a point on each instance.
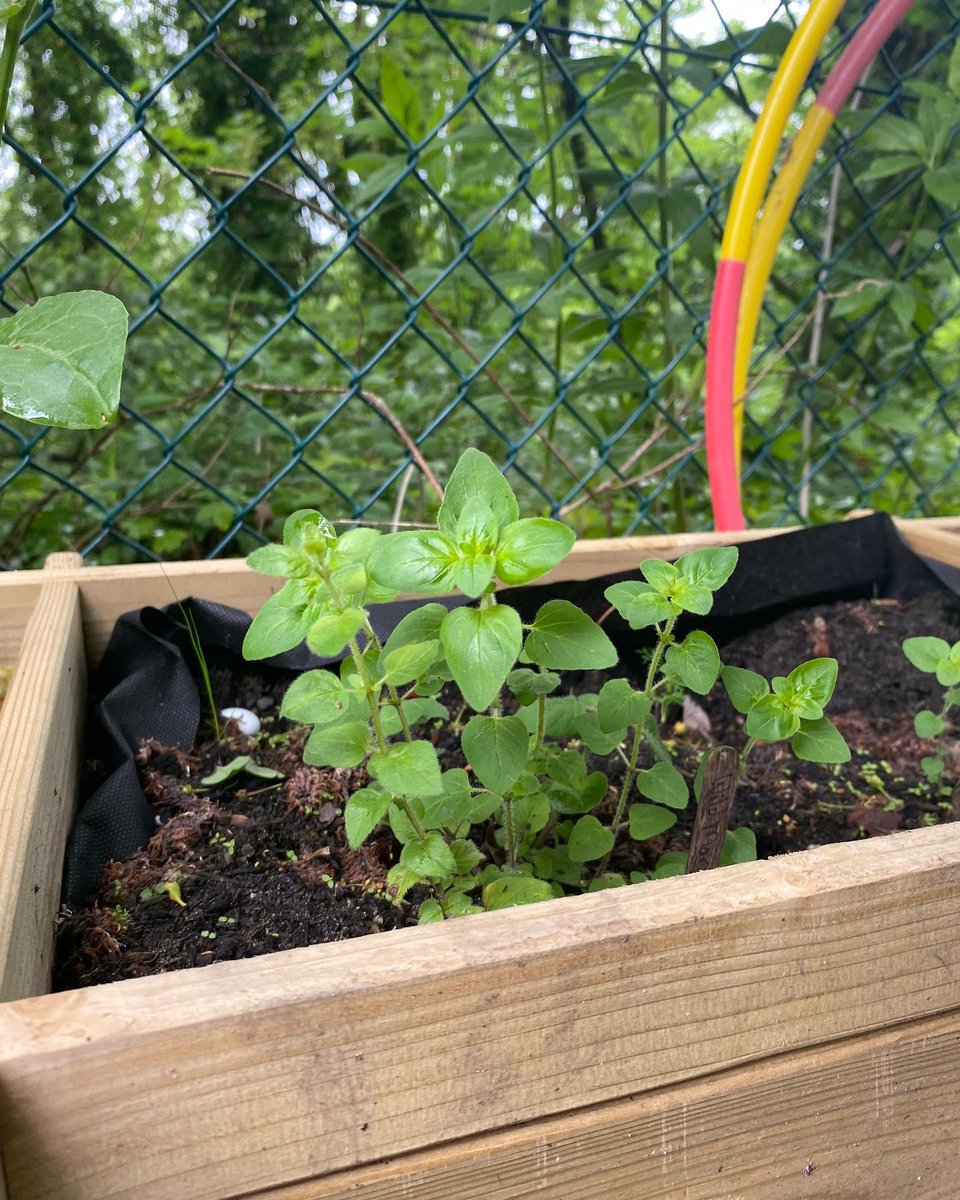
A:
(937, 657)
(528, 788)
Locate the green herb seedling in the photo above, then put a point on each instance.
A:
(936, 657)
(528, 769)
(243, 764)
(170, 890)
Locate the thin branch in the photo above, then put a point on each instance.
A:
(377, 403)
(375, 252)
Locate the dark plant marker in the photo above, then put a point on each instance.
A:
(713, 811)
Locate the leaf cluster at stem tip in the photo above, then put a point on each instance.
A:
(526, 818)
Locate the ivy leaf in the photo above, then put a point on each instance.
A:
(744, 687)
(511, 890)
(565, 638)
(620, 706)
(695, 662)
(342, 745)
(475, 477)
(589, 840)
(496, 748)
(664, 784)
(407, 769)
(429, 857)
(770, 721)
(639, 605)
(648, 820)
(332, 632)
(364, 811)
(481, 645)
(61, 360)
(529, 547)
(820, 742)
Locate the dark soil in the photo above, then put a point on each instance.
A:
(264, 866)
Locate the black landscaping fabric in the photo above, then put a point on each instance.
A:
(146, 685)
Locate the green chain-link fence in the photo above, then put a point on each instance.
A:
(355, 238)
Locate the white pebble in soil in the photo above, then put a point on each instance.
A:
(248, 723)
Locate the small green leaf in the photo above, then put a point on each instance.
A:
(814, 681)
(429, 912)
(418, 561)
(595, 738)
(231, 770)
(662, 576)
(927, 724)
(343, 745)
(511, 890)
(407, 769)
(429, 857)
(465, 855)
(401, 879)
(61, 360)
(670, 864)
(739, 846)
(329, 634)
(526, 685)
(695, 662)
(475, 477)
(932, 767)
(260, 772)
(648, 820)
(318, 698)
(410, 661)
(400, 98)
(710, 568)
(421, 625)
(820, 741)
(664, 784)
(948, 671)
(565, 638)
(529, 547)
(364, 811)
(926, 653)
(770, 721)
(620, 706)
(481, 646)
(589, 840)
(531, 812)
(744, 687)
(496, 748)
(639, 605)
(276, 628)
(273, 560)
(609, 879)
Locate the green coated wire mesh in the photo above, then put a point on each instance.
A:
(354, 238)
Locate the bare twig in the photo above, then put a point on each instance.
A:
(377, 403)
(375, 252)
(401, 496)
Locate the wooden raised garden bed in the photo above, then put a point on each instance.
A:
(782, 1028)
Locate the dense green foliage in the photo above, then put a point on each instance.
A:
(527, 820)
(494, 228)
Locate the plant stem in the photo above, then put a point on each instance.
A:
(541, 721)
(510, 832)
(16, 24)
(664, 639)
(395, 700)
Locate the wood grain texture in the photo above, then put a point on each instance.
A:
(40, 727)
(710, 825)
(298, 1064)
(868, 1118)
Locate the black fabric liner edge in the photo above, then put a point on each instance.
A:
(145, 685)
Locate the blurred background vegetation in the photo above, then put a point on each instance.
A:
(355, 238)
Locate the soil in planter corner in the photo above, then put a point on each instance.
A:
(261, 865)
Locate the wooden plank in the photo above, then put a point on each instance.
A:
(281, 1068)
(869, 1118)
(932, 541)
(40, 728)
(17, 602)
